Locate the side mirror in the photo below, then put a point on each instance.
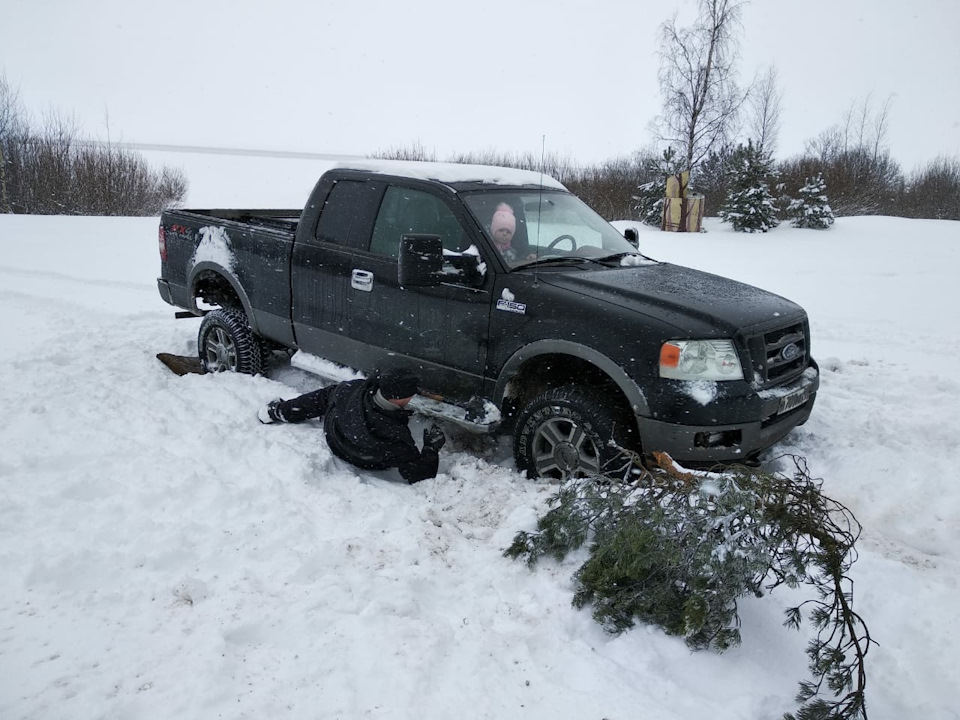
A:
(631, 235)
(421, 260)
(466, 269)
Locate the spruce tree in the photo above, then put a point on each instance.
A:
(649, 202)
(749, 206)
(650, 195)
(711, 179)
(811, 209)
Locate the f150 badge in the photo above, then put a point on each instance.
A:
(506, 302)
(511, 306)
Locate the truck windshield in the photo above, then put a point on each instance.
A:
(529, 226)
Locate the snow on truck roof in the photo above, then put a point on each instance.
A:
(453, 172)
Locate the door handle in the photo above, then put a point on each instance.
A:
(361, 280)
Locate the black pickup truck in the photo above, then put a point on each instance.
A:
(522, 310)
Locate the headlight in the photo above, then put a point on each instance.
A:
(700, 360)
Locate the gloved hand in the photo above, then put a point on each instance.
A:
(269, 414)
(433, 438)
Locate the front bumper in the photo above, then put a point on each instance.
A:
(741, 441)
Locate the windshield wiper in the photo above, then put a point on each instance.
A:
(620, 256)
(563, 259)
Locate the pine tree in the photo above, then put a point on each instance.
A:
(679, 549)
(651, 194)
(749, 206)
(811, 209)
(649, 202)
(712, 178)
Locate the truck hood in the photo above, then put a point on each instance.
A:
(672, 294)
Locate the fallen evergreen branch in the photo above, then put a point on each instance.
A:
(677, 549)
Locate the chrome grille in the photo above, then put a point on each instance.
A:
(781, 354)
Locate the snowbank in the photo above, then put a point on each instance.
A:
(165, 555)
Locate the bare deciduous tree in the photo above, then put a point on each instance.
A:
(855, 162)
(11, 126)
(54, 170)
(701, 98)
(765, 99)
(860, 129)
(933, 191)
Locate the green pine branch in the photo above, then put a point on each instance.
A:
(678, 549)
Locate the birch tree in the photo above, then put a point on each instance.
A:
(764, 101)
(701, 98)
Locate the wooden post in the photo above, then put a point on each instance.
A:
(682, 211)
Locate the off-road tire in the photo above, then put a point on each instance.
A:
(227, 344)
(272, 355)
(567, 431)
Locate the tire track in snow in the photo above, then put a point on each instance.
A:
(98, 282)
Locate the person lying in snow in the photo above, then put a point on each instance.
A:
(365, 422)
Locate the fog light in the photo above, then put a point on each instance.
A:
(724, 438)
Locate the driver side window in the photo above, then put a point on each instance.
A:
(404, 211)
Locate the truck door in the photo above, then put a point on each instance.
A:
(444, 329)
(321, 270)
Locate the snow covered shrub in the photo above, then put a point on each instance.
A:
(649, 202)
(811, 209)
(677, 549)
(749, 206)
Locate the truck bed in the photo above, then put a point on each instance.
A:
(254, 246)
(283, 220)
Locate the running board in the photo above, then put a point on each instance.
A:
(478, 415)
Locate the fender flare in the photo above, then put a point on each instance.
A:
(232, 281)
(628, 386)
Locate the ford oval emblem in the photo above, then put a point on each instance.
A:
(790, 352)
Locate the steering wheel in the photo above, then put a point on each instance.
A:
(571, 238)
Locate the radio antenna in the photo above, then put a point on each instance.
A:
(543, 152)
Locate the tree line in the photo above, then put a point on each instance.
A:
(51, 169)
(857, 181)
(722, 131)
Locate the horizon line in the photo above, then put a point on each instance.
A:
(203, 149)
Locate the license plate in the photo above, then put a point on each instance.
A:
(793, 400)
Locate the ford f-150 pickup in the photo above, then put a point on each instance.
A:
(567, 336)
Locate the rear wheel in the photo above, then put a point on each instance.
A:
(567, 432)
(227, 344)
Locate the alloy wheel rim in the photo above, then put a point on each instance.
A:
(221, 352)
(562, 448)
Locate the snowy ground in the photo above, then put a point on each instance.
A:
(164, 555)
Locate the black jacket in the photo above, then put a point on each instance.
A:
(361, 432)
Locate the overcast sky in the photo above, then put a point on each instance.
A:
(354, 77)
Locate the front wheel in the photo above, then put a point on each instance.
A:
(227, 344)
(566, 432)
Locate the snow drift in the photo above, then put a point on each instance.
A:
(165, 555)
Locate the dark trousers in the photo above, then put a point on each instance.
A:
(312, 405)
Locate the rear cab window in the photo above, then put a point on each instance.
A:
(348, 213)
